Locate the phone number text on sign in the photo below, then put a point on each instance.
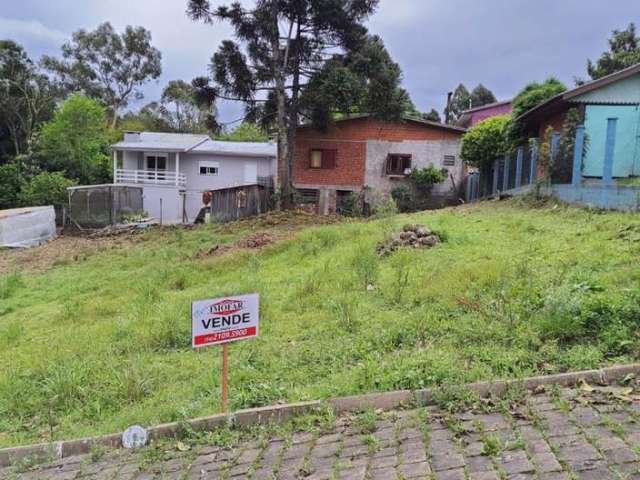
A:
(223, 320)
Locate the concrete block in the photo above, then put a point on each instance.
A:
(384, 401)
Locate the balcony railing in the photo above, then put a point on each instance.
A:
(154, 177)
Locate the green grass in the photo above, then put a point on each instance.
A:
(97, 344)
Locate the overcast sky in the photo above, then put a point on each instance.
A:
(438, 43)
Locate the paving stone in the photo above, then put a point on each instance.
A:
(383, 462)
(413, 470)
(546, 462)
(484, 476)
(555, 476)
(515, 462)
(620, 455)
(445, 460)
(454, 474)
(382, 474)
(479, 464)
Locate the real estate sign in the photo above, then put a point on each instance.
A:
(224, 320)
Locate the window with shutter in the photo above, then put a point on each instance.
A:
(329, 159)
(322, 158)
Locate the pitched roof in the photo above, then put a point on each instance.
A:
(169, 142)
(426, 123)
(243, 149)
(556, 102)
(486, 106)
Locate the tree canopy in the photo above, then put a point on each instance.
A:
(535, 93)
(482, 144)
(624, 51)
(432, 116)
(462, 100)
(108, 66)
(481, 95)
(27, 99)
(245, 132)
(76, 141)
(282, 48)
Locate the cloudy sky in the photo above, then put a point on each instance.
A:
(438, 43)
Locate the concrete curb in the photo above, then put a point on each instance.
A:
(281, 413)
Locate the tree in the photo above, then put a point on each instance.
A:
(460, 101)
(432, 116)
(11, 182)
(365, 80)
(46, 188)
(27, 99)
(77, 140)
(279, 47)
(624, 51)
(107, 66)
(481, 95)
(482, 144)
(245, 132)
(535, 93)
(182, 111)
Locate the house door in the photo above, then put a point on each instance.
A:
(156, 166)
(626, 151)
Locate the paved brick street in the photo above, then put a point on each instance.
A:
(555, 435)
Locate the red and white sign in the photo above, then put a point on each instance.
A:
(224, 320)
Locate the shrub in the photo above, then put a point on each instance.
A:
(482, 144)
(426, 178)
(47, 188)
(11, 182)
(404, 198)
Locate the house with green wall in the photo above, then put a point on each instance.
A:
(609, 110)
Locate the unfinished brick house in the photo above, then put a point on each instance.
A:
(365, 155)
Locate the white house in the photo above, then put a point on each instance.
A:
(174, 169)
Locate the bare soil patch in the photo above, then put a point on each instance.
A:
(59, 251)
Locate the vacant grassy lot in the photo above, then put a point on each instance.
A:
(102, 341)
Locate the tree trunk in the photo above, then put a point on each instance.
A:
(284, 180)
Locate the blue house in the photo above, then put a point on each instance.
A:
(604, 168)
(610, 111)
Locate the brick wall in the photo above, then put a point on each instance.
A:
(349, 139)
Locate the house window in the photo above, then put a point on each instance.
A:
(449, 160)
(322, 158)
(208, 168)
(156, 162)
(398, 164)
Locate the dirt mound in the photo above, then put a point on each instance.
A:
(255, 241)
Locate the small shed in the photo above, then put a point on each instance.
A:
(27, 227)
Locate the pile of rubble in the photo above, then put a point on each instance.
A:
(416, 236)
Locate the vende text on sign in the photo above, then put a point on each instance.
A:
(223, 320)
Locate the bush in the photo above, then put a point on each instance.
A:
(482, 144)
(426, 178)
(404, 198)
(47, 188)
(11, 182)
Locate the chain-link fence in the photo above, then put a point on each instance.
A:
(98, 206)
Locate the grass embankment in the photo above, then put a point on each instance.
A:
(99, 343)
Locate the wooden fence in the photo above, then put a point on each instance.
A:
(238, 202)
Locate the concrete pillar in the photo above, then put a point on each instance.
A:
(555, 146)
(115, 165)
(576, 174)
(496, 171)
(610, 145)
(177, 168)
(533, 174)
(505, 174)
(519, 160)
